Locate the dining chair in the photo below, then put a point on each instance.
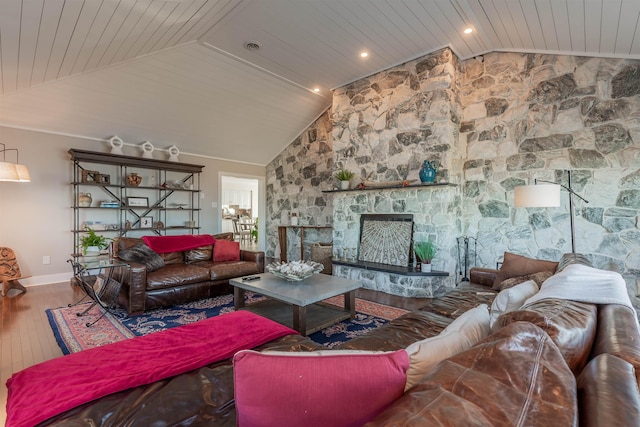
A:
(239, 230)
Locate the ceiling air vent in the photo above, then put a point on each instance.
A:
(253, 46)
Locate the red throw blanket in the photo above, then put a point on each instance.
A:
(55, 386)
(164, 244)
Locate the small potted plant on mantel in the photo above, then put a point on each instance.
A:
(425, 251)
(92, 243)
(344, 176)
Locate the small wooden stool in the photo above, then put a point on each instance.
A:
(10, 271)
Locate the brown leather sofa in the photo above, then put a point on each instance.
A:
(186, 276)
(554, 363)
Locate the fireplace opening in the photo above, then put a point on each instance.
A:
(386, 239)
(386, 245)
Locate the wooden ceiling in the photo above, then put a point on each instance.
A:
(177, 72)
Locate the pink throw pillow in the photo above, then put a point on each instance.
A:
(316, 389)
(226, 250)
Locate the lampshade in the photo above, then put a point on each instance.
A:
(9, 172)
(23, 173)
(537, 196)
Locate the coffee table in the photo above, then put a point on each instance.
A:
(309, 315)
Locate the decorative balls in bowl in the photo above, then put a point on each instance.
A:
(294, 270)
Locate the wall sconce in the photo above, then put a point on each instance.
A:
(12, 172)
(547, 196)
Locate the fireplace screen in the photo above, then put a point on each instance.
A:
(386, 239)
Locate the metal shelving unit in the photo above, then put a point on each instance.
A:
(173, 199)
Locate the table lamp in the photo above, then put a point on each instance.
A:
(547, 196)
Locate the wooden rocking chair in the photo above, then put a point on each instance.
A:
(10, 271)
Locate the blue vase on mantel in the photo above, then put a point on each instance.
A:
(428, 171)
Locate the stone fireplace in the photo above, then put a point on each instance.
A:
(429, 215)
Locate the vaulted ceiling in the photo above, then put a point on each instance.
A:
(178, 72)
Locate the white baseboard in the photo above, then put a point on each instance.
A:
(46, 280)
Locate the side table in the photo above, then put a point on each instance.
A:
(95, 275)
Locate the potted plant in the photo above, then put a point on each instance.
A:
(254, 230)
(425, 251)
(344, 176)
(92, 243)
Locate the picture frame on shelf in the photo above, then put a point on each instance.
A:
(92, 177)
(105, 179)
(137, 202)
(146, 222)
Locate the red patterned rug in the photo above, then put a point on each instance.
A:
(73, 335)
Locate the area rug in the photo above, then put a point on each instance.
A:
(72, 334)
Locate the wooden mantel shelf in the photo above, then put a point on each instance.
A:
(395, 187)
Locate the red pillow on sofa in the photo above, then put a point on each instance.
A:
(316, 389)
(226, 250)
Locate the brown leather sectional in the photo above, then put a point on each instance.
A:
(555, 363)
(186, 276)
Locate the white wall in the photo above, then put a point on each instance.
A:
(36, 218)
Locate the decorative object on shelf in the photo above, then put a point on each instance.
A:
(293, 220)
(84, 200)
(127, 225)
(92, 243)
(189, 224)
(110, 204)
(174, 152)
(147, 150)
(344, 176)
(425, 251)
(12, 172)
(137, 202)
(92, 177)
(116, 145)
(105, 179)
(547, 196)
(386, 184)
(146, 222)
(428, 171)
(153, 182)
(133, 179)
(180, 205)
(295, 270)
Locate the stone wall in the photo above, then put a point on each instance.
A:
(492, 123)
(384, 128)
(295, 181)
(529, 116)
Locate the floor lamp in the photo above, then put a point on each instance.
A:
(547, 196)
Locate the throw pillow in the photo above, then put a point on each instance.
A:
(203, 253)
(142, 254)
(224, 250)
(511, 299)
(316, 389)
(462, 334)
(539, 278)
(517, 265)
(570, 259)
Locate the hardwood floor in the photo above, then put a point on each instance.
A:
(26, 337)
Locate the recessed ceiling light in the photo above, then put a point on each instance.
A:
(364, 54)
(316, 89)
(468, 30)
